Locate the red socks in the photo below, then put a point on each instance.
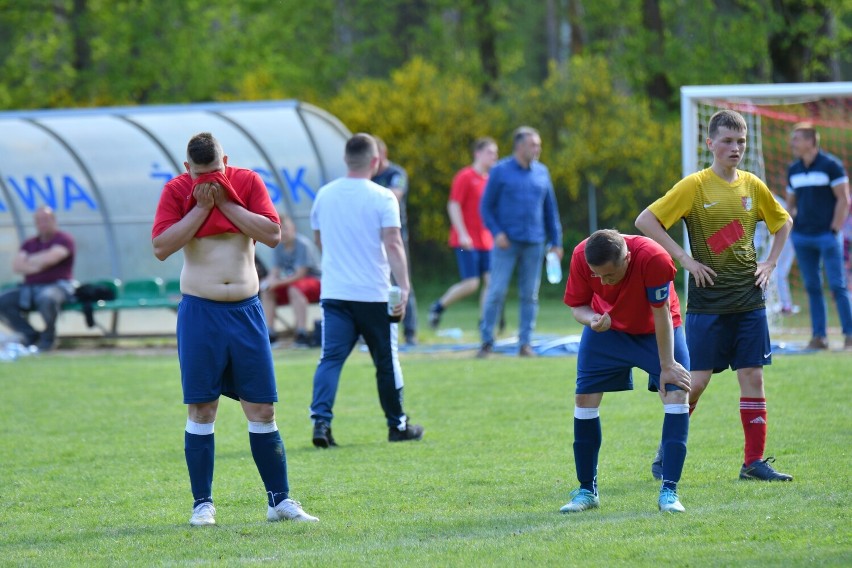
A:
(753, 416)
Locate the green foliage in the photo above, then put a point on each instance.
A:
(428, 122)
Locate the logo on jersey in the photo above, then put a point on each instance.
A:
(747, 203)
(709, 205)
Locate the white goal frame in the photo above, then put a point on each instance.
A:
(775, 93)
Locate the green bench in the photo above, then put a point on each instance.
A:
(140, 294)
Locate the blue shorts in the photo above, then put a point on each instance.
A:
(223, 349)
(473, 263)
(719, 341)
(606, 359)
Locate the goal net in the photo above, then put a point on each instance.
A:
(770, 112)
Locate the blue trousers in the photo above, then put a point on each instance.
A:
(342, 322)
(828, 249)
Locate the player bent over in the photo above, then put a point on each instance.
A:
(621, 288)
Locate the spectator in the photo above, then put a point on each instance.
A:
(393, 177)
(215, 213)
(356, 223)
(519, 208)
(818, 195)
(46, 262)
(469, 238)
(294, 279)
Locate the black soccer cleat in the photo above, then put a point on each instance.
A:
(761, 470)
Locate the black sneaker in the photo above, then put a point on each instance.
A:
(322, 435)
(435, 311)
(484, 351)
(302, 341)
(761, 470)
(411, 432)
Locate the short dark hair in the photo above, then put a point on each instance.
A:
(202, 149)
(808, 130)
(521, 133)
(483, 142)
(360, 149)
(726, 118)
(606, 245)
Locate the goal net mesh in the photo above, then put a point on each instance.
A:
(770, 121)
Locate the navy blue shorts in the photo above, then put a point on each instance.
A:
(223, 349)
(473, 263)
(606, 359)
(719, 341)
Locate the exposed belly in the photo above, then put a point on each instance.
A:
(220, 267)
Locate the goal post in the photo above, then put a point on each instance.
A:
(770, 111)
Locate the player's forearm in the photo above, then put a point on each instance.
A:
(398, 262)
(258, 227)
(664, 331)
(456, 218)
(778, 242)
(651, 227)
(178, 235)
(841, 207)
(583, 314)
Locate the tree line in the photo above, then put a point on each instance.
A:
(598, 78)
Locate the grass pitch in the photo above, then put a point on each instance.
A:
(92, 470)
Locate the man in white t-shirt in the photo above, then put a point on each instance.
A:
(356, 224)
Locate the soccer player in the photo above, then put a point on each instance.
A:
(214, 213)
(726, 316)
(469, 238)
(621, 288)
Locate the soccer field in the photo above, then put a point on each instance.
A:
(92, 470)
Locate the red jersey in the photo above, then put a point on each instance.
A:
(467, 189)
(648, 282)
(243, 186)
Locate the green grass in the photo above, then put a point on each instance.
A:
(92, 469)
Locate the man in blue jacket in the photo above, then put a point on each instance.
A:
(519, 208)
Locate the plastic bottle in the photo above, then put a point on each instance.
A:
(394, 298)
(554, 268)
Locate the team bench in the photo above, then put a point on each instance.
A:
(141, 294)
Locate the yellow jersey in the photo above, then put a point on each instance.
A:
(720, 220)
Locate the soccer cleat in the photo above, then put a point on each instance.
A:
(657, 464)
(847, 343)
(302, 341)
(289, 510)
(668, 501)
(322, 435)
(435, 314)
(581, 500)
(484, 351)
(818, 343)
(760, 469)
(204, 514)
(412, 432)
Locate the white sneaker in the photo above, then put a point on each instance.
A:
(289, 510)
(203, 515)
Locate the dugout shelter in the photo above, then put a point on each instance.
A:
(102, 171)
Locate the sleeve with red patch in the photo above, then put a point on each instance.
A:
(173, 204)
(578, 291)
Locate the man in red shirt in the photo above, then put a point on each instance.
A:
(621, 288)
(46, 261)
(469, 237)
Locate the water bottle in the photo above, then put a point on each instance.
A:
(554, 268)
(394, 298)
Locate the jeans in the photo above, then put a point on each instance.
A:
(528, 257)
(827, 247)
(47, 299)
(342, 322)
